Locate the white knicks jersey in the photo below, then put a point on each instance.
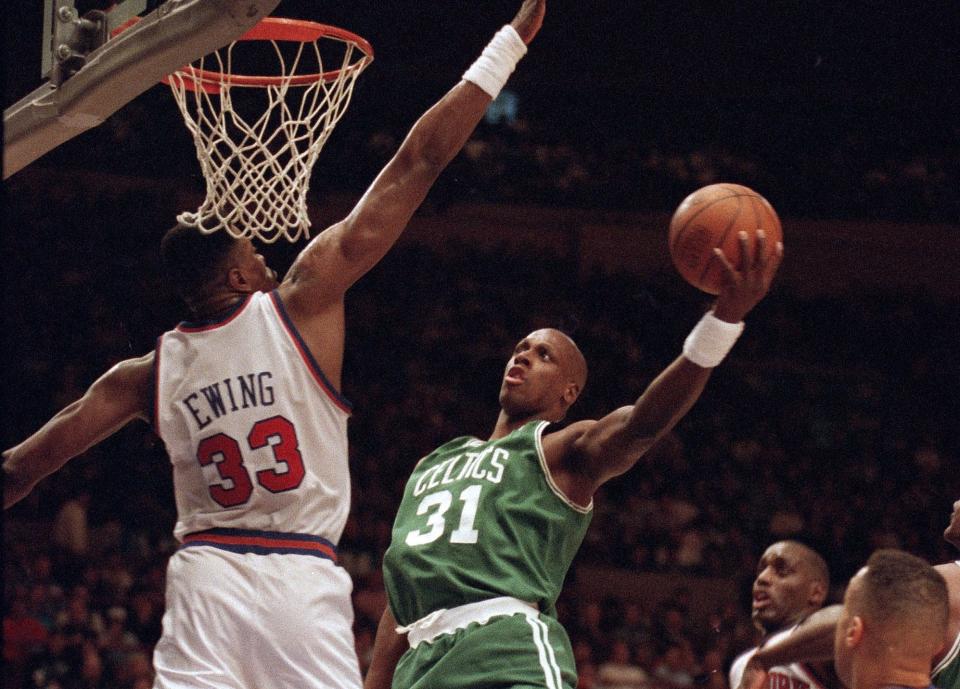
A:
(256, 435)
(792, 676)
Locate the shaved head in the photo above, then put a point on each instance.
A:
(905, 596)
(894, 619)
(574, 363)
(818, 570)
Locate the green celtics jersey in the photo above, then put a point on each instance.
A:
(481, 519)
(946, 675)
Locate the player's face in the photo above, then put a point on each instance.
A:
(783, 587)
(260, 276)
(535, 375)
(952, 532)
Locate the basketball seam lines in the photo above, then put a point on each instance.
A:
(683, 229)
(723, 237)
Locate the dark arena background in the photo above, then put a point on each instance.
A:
(833, 421)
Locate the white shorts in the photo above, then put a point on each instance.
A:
(251, 621)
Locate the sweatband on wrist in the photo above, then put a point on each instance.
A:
(496, 63)
(710, 340)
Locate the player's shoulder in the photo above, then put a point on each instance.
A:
(568, 432)
(128, 383)
(560, 445)
(949, 569)
(133, 368)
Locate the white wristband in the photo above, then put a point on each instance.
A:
(497, 61)
(710, 340)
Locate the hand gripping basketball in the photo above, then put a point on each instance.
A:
(713, 216)
(742, 289)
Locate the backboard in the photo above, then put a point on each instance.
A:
(90, 74)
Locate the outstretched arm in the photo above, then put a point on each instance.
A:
(608, 447)
(116, 398)
(340, 255)
(388, 646)
(811, 641)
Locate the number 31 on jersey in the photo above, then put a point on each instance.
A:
(435, 505)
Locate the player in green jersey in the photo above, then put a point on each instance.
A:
(487, 529)
(815, 641)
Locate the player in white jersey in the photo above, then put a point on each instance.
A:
(792, 582)
(246, 399)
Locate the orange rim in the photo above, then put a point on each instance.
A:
(272, 29)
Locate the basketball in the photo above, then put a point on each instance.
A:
(714, 216)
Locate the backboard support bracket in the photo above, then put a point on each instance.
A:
(91, 79)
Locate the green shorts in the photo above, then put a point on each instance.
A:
(507, 652)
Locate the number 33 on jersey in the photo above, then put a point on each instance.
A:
(256, 435)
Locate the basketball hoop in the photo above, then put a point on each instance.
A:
(258, 137)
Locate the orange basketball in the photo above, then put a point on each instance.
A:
(713, 216)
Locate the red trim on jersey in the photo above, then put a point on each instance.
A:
(307, 355)
(263, 542)
(200, 326)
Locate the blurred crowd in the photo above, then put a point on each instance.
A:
(830, 422)
(517, 162)
(513, 158)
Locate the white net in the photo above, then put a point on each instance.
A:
(257, 138)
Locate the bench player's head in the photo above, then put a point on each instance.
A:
(894, 620)
(544, 376)
(208, 268)
(792, 581)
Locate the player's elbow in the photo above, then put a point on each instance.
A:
(18, 478)
(362, 245)
(422, 156)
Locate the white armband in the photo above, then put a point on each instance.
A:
(497, 61)
(710, 340)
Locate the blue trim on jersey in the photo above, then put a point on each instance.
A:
(262, 542)
(314, 366)
(257, 533)
(256, 550)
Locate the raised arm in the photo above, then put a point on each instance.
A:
(340, 255)
(388, 646)
(592, 452)
(811, 641)
(116, 398)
